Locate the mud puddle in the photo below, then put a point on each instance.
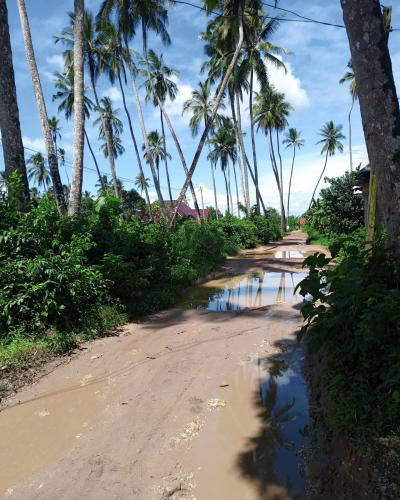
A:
(253, 447)
(34, 432)
(280, 254)
(237, 292)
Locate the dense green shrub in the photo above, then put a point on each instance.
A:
(354, 318)
(338, 210)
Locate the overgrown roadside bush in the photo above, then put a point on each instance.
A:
(354, 320)
(62, 278)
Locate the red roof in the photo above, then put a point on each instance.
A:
(185, 211)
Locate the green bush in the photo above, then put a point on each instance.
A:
(354, 318)
(338, 210)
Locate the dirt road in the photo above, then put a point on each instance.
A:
(183, 405)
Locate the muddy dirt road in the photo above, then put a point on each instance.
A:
(205, 401)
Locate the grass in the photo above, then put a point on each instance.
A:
(316, 238)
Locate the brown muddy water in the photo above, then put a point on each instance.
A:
(237, 292)
(254, 447)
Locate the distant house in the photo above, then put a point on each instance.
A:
(362, 183)
(185, 211)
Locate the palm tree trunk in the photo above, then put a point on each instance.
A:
(75, 196)
(213, 178)
(103, 187)
(256, 186)
(240, 133)
(253, 141)
(108, 138)
(319, 180)
(37, 87)
(277, 178)
(350, 145)
(135, 146)
(145, 139)
(230, 189)
(165, 156)
(226, 189)
(213, 113)
(233, 112)
(237, 190)
(290, 182)
(170, 127)
(281, 181)
(13, 149)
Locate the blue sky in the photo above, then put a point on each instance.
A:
(319, 59)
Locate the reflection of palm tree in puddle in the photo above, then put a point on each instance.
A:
(259, 461)
(280, 296)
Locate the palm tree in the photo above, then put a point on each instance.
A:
(11, 138)
(142, 182)
(293, 140)
(75, 196)
(64, 82)
(157, 150)
(331, 137)
(158, 87)
(91, 47)
(223, 149)
(37, 87)
(54, 123)
(113, 57)
(270, 114)
(38, 172)
(110, 129)
(350, 78)
(200, 106)
(128, 15)
(232, 13)
(257, 50)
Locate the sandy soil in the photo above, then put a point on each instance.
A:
(137, 415)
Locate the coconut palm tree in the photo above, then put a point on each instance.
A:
(64, 82)
(294, 141)
(224, 150)
(11, 138)
(92, 54)
(200, 105)
(142, 182)
(257, 50)
(157, 150)
(75, 196)
(38, 172)
(110, 128)
(54, 124)
(158, 87)
(128, 16)
(113, 57)
(350, 78)
(37, 87)
(270, 114)
(331, 136)
(232, 14)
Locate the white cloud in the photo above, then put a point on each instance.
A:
(36, 144)
(174, 108)
(113, 93)
(289, 84)
(56, 60)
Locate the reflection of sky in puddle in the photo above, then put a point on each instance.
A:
(291, 254)
(245, 291)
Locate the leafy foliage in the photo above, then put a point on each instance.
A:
(354, 318)
(339, 210)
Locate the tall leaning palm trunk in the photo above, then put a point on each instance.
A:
(37, 87)
(135, 146)
(253, 141)
(290, 183)
(13, 150)
(213, 113)
(319, 179)
(233, 112)
(101, 180)
(144, 134)
(75, 196)
(166, 117)
(165, 155)
(277, 178)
